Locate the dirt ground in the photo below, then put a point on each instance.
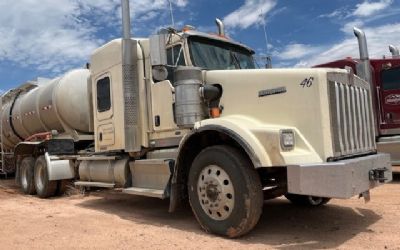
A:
(107, 219)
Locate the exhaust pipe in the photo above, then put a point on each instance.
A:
(126, 20)
(394, 50)
(130, 82)
(365, 68)
(221, 27)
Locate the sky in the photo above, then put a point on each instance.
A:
(46, 38)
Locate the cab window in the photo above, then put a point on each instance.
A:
(391, 79)
(175, 56)
(103, 95)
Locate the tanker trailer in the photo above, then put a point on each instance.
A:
(44, 108)
(61, 105)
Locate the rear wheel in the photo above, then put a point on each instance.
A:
(26, 175)
(44, 187)
(225, 191)
(307, 200)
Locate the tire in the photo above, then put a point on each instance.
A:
(18, 172)
(305, 200)
(44, 187)
(26, 175)
(225, 191)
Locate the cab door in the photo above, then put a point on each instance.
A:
(390, 99)
(104, 114)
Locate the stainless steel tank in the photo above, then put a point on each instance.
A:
(63, 104)
(188, 103)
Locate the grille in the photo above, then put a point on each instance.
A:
(352, 118)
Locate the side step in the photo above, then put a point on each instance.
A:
(94, 184)
(145, 192)
(151, 177)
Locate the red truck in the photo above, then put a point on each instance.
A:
(384, 77)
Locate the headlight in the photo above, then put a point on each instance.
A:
(287, 139)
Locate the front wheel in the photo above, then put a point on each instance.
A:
(225, 191)
(307, 200)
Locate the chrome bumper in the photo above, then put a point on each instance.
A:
(341, 179)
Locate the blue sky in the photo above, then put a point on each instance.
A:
(44, 38)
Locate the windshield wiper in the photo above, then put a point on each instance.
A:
(235, 60)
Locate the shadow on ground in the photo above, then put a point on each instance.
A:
(282, 224)
(396, 178)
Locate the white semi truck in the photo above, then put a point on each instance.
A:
(186, 116)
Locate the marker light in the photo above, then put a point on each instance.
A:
(287, 139)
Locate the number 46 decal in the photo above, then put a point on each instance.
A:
(308, 82)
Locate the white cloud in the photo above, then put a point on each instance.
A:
(368, 8)
(56, 36)
(366, 11)
(252, 12)
(297, 51)
(142, 7)
(378, 39)
(335, 13)
(348, 27)
(341, 13)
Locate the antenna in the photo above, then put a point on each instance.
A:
(171, 13)
(267, 58)
(265, 32)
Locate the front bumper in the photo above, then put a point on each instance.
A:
(341, 179)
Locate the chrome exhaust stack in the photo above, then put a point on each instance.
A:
(126, 20)
(394, 50)
(130, 82)
(221, 27)
(364, 69)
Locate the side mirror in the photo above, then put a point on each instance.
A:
(158, 49)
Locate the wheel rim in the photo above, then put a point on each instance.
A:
(39, 177)
(24, 179)
(216, 193)
(315, 201)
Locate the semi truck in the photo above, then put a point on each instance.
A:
(384, 78)
(186, 116)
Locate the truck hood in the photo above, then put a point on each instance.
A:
(298, 99)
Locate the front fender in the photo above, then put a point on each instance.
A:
(263, 140)
(241, 134)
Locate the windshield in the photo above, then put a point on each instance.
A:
(217, 55)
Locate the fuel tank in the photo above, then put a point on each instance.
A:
(63, 104)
